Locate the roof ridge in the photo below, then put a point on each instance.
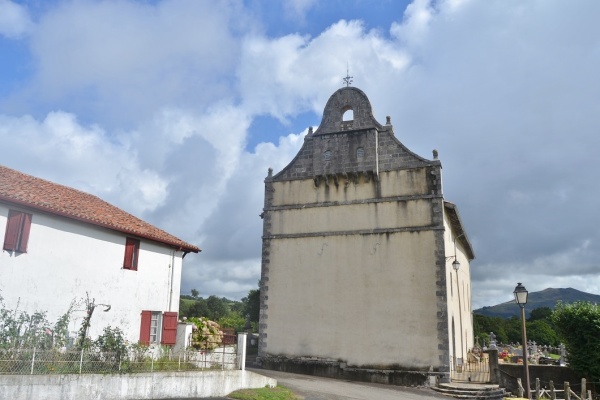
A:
(55, 198)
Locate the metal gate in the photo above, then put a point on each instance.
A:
(476, 368)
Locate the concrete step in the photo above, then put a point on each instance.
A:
(472, 391)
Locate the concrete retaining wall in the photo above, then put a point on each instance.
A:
(337, 370)
(163, 385)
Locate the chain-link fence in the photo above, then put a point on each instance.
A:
(88, 361)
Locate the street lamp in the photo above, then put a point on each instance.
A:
(521, 299)
(456, 266)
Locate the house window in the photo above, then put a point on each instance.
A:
(360, 152)
(132, 252)
(155, 327)
(158, 327)
(16, 236)
(327, 155)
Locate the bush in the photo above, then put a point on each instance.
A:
(111, 341)
(19, 329)
(578, 324)
(206, 334)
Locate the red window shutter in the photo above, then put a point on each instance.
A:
(13, 227)
(145, 327)
(132, 248)
(169, 329)
(26, 227)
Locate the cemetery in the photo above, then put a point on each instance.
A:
(502, 364)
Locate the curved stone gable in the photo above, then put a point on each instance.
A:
(348, 98)
(356, 147)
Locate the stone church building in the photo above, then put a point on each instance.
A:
(365, 266)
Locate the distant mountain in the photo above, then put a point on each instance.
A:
(545, 298)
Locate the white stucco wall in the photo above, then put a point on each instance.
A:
(365, 291)
(353, 217)
(393, 183)
(368, 300)
(66, 258)
(459, 299)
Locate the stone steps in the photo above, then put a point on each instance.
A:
(472, 391)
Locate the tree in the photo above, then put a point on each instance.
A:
(252, 305)
(578, 325)
(233, 320)
(541, 313)
(541, 332)
(483, 325)
(216, 308)
(195, 293)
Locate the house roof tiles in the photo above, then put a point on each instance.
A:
(26, 190)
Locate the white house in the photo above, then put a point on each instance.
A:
(62, 245)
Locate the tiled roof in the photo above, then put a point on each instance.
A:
(36, 193)
(457, 224)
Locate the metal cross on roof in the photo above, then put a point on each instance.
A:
(348, 78)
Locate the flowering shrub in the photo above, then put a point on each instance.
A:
(206, 334)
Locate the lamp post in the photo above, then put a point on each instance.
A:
(521, 299)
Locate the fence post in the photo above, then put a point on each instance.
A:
(567, 391)
(241, 350)
(493, 365)
(81, 361)
(32, 362)
(537, 388)
(552, 391)
(583, 389)
(520, 389)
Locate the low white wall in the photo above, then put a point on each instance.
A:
(156, 385)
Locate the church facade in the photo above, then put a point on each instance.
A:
(365, 266)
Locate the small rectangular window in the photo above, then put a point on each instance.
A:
(155, 324)
(132, 252)
(158, 327)
(16, 236)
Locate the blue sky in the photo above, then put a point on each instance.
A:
(174, 110)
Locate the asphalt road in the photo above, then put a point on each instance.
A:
(310, 387)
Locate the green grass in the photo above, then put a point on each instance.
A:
(266, 393)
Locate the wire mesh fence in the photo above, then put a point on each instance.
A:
(89, 361)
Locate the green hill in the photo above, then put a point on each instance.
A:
(546, 298)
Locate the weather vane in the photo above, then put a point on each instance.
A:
(348, 78)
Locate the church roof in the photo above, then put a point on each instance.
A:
(457, 227)
(39, 194)
(350, 146)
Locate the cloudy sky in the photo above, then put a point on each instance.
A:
(174, 110)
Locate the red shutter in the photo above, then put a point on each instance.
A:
(129, 249)
(26, 227)
(13, 227)
(145, 327)
(169, 329)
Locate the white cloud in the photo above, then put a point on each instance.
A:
(415, 27)
(123, 61)
(292, 74)
(58, 148)
(163, 94)
(297, 9)
(14, 20)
